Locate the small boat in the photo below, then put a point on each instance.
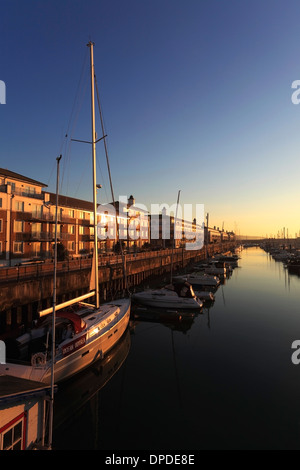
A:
(79, 333)
(205, 296)
(199, 279)
(282, 255)
(216, 268)
(178, 295)
(293, 264)
(229, 260)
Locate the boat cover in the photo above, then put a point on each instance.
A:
(75, 319)
(182, 289)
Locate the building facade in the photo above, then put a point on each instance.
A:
(27, 223)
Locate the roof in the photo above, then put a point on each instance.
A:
(15, 388)
(11, 174)
(71, 202)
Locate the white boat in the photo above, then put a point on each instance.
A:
(178, 296)
(81, 338)
(205, 296)
(199, 279)
(216, 268)
(80, 333)
(228, 259)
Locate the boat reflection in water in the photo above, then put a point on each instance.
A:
(176, 320)
(81, 391)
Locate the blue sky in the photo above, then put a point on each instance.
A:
(196, 96)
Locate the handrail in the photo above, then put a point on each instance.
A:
(46, 268)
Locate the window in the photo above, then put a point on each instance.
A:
(36, 248)
(1, 248)
(29, 190)
(71, 229)
(36, 229)
(12, 435)
(36, 210)
(19, 205)
(18, 226)
(59, 228)
(81, 230)
(13, 185)
(72, 213)
(71, 246)
(18, 247)
(0, 201)
(1, 225)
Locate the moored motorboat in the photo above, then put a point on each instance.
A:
(216, 268)
(199, 279)
(178, 295)
(293, 264)
(205, 296)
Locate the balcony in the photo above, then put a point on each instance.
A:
(20, 192)
(40, 236)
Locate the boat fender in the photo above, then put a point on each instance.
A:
(38, 359)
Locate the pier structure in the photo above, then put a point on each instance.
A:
(25, 290)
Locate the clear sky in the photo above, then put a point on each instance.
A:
(196, 96)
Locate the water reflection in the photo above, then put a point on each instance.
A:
(221, 378)
(79, 395)
(178, 321)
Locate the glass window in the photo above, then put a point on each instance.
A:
(12, 438)
(18, 226)
(36, 210)
(19, 205)
(18, 247)
(13, 185)
(71, 246)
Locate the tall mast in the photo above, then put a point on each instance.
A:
(91, 45)
(173, 246)
(53, 312)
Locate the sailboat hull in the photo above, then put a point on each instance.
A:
(70, 364)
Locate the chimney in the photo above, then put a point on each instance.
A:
(131, 201)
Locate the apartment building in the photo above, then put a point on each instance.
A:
(27, 223)
(22, 223)
(166, 230)
(126, 218)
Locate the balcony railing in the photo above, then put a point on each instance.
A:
(40, 236)
(20, 192)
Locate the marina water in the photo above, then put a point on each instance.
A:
(221, 380)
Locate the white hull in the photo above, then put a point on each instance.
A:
(163, 299)
(200, 280)
(217, 271)
(205, 296)
(78, 360)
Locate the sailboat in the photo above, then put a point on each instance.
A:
(80, 333)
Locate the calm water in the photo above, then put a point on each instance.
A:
(223, 381)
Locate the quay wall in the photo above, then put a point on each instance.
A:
(25, 290)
